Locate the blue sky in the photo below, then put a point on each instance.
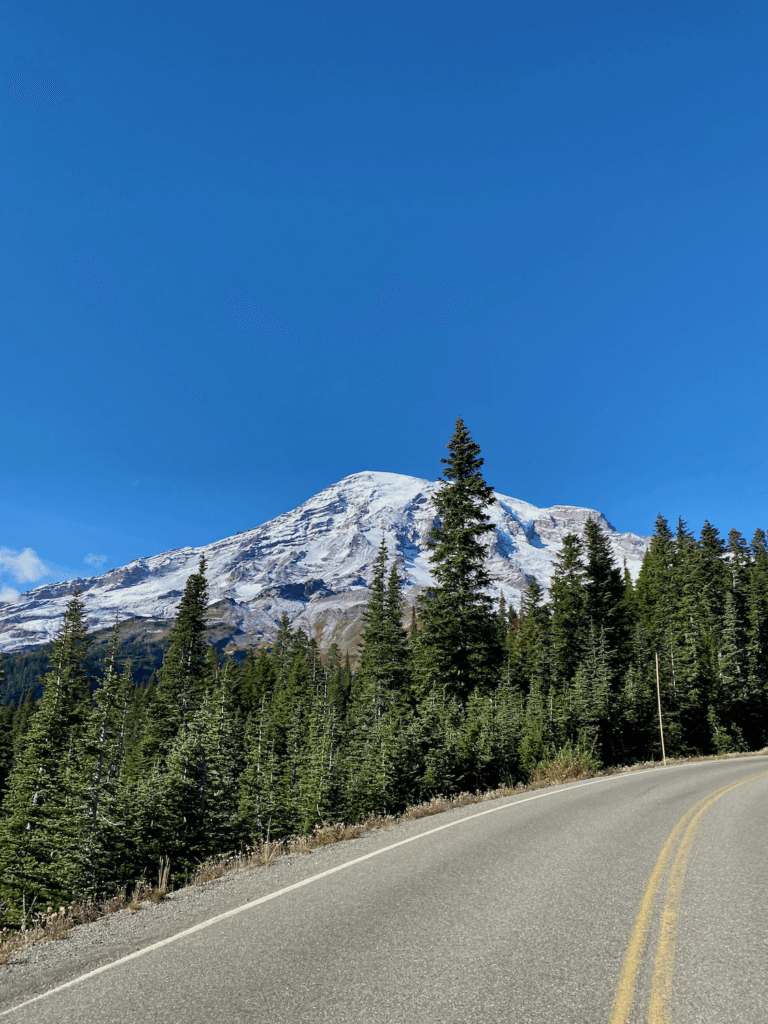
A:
(247, 249)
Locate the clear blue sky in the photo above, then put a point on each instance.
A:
(247, 249)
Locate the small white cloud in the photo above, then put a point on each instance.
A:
(24, 566)
(8, 595)
(95, 560)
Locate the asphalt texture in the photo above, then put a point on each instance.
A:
(523, 915)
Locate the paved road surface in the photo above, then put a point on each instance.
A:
(638, 898)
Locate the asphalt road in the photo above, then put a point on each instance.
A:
(641, 897)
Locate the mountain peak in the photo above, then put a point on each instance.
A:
(313, 564)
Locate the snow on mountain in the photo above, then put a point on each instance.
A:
(314, 564)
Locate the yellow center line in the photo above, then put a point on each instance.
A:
(660, 1007)
(625, 990)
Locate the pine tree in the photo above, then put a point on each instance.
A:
(395, 637)
(21, 718)
(458, 646)
(181, 678)
(534, 637)
(534, 667)
(569, 614)
(478, 746)
(757, 642)
(223, 755)
(713, 574)
(318, 773)
(283, 650)
(733, 703)
(100, 765)
(655, 584)
(257, 794)
(373, 669)
(604, 592)
(686, 643)
(42, 827)
(509, 710)
(255, 681)
(338, 681)
(373, 723)
(6, 732)
(161, 779)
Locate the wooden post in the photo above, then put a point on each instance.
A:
(658, 697)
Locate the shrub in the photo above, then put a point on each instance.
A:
(569, 764)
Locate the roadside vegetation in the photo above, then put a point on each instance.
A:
(56, 924)
(214, 766)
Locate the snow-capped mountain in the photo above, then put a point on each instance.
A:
(314, 564)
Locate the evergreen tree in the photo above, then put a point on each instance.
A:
(603, 591)
(757, 642)
(534, 668)
(202, 775)
(181, 679)
(318, 772)
(21, 718)
(283, 650)
(686, 644)
(373, 667)
(338, 680)
(100, 764)
(373, 714)
(509, 712)
(569, 614)
(255, 681)
(458, 646)
(395, 637)
(734, 698)
(257, 794)
(655, 584)
(478, 747)
(42, 828)
(160, 778)
(223, 758)
(6, 732)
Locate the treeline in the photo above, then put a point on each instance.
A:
(99, 784)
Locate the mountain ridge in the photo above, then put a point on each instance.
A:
(313, 563)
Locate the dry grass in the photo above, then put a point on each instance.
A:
(55, 924)
(257, 856)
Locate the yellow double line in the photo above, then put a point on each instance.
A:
(660, 1006)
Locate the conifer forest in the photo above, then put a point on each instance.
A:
(101, 778)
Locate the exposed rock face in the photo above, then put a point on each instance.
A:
(314, 563)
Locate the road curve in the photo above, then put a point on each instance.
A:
(636, 898)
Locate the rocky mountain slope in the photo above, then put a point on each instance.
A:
(312, 563)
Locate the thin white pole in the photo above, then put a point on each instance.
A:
(658, 697)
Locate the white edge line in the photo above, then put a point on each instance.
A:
(324, 874)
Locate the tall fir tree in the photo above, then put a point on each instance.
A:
(6, 732)
(100, 765)
(43, 825)
(181, 678)
(569, 614)
(458, 646)
(160, 780)
(368, 754)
